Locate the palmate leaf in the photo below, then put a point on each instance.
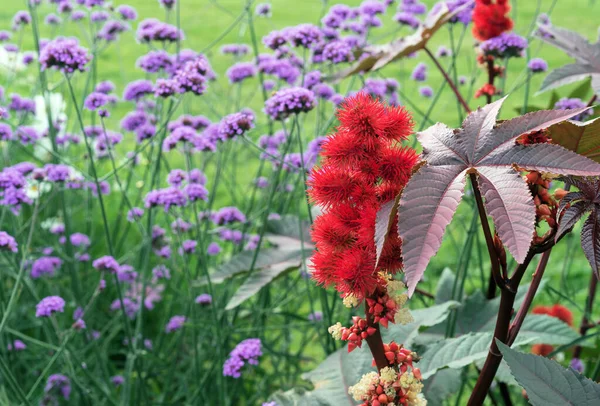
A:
(378, 56)
(547, 383)
(461, 351)
(587, 58)
(573, 207)
(487, 149)
(583, 138)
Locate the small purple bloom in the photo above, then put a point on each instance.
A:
(577, 365)
(45, 266)
(236, 124)
(7, 242)
(117, 380)
(95, 100)
(246, 351)
(537, 65)
(573, 103)
(64, 54)
(138, 89)
(204, 299)
(134, 213)
(106, 263)
(504, 45)
(419, 73)
(175, 323)
(426, 91)
(49, 305)
(240, 71)
(290, 101)
(58, 383)
(213, 249)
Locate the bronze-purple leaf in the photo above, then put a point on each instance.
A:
(573, 207)
(587, 58)
(488, 150)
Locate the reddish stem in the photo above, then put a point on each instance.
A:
(491, 77)
(585, 323)
(515, 326)
(452, 85)
(375, 342)
(489, 240)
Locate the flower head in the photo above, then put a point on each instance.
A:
(64, 54)
(49, 305)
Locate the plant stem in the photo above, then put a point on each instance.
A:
(376, 343)
(585, 324)
(491, 77)
(449, 81)
(508, 290)
(495, 278)
(515, 326)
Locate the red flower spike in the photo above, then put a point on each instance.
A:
(362, 168)
(490, 19)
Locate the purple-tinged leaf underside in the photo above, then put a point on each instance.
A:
(510, 204)
(543, 158)
(587, 58)
(570, 217)
(570, 197)
(440, 146)
(432, 195)
(583, 138)
(570, 42)
(510, 130)
(383, 223)
(590, 240)
(568, 74)
(477, 127)
(427, 206)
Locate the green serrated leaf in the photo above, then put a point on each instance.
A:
(296, 397)
(427, 317)
(438, 387)
(457, 352)
(443, 290)
(258, 279)
(547, 383)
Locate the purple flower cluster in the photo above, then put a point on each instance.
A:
(106, 263)
(16, 345)
(204, 299)
(290, 101)
(409, 19)
(58, 384)
(228, 215)
(304, 35)
(64, 54)
(45, 266)
(49, 305)
(236, 124)
(338, 52)
(426, 91)
(7, 242)
(419, 73)
(263, 10)
(246, 352)
(573, 103)
(281, 68)
(241, 71)
(175, 323)
(166, 198)
(137, 89)
(235, 49)
(152, 29)
(537, 65)
(504, 45)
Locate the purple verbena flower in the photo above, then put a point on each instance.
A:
(246, 352)
(175, 323)
(236, 124)
(573, 103)
(106, 263)
(127, 13)
(135, 90)
(204, 299)
(64, 54)
(408, 19)
(304, 35)
(419, 73)
(7, 242)
(58, 384)
(504, 45)
(537, 65)
(49, 305)
(426, 91)
(45, 266)
(241, 71)
(166, 198)
(290, 101)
